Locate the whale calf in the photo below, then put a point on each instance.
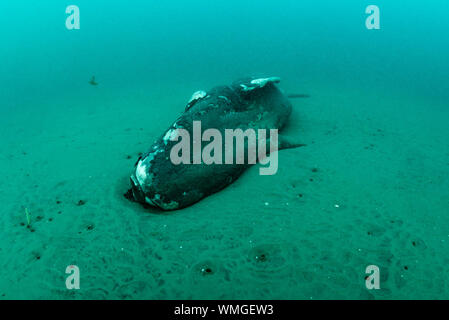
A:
(164, 179)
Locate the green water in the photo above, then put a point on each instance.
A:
(370, 188)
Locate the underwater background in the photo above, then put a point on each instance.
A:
(370, 188)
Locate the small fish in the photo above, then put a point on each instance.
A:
(92, 81)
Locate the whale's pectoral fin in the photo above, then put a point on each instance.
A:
(283, 142)
(286, 142)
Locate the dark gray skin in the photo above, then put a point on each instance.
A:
(248, 103)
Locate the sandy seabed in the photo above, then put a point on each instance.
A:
(370, 187)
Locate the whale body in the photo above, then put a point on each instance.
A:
(250, 103)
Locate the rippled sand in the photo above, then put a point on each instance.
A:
(369, 188)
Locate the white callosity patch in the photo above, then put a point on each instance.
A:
(141, 172)
(197, 95)
(157, 201)
(176, 125)
(259, 83)
(263, 81)
(143, 175)
(144, 178)
(170, 135)
(170, 206)
(224, 98)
